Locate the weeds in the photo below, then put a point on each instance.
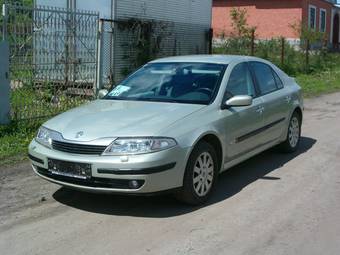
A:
(14, 140)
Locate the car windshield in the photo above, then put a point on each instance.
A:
(195, 83)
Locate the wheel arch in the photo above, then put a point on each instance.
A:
(214, 140)
(299, 111)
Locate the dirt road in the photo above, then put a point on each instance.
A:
(271, 204)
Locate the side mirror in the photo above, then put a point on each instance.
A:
(102, 93)
(239, 101)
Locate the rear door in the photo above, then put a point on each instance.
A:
(276, 101)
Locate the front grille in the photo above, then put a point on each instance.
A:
(78, 148)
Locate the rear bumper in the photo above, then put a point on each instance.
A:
(154, 172)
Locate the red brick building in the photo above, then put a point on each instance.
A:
(273, 18)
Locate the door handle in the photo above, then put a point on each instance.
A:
(288, 98)
(260, 109)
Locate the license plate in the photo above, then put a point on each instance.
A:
(69, 169)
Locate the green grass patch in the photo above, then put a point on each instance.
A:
(319, 83)
(14, 141)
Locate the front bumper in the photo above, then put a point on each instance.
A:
(155, 172)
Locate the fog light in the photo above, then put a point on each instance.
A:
(134, 184)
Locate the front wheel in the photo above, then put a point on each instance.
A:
(294, 134)
(200, 175)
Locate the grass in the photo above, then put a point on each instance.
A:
(319, 83)
(26, 104)
(15, 138)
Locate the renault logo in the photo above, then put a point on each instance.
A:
(79, 134)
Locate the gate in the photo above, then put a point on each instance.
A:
(53, 58)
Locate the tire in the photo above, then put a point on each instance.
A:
(292, 141)
(200, 175)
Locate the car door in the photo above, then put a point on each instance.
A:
(276, 102)
(242, 123)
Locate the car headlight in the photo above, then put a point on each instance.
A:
(128, 146)
(44, 137)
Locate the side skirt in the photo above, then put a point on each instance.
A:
(250, 154)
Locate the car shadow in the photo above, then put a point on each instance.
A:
(230, 183)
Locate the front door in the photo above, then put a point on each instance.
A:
(242, 123)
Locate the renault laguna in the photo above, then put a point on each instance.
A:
(173, 125)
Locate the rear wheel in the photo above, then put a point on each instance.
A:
(294, 134)
(200, 175)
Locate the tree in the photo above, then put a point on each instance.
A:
(239, 22)
(23, 2)
(307, 34)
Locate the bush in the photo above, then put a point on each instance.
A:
(294, 61)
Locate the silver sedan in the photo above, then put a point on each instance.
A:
(173, 125)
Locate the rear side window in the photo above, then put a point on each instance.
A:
(278, 81)
(264, 77)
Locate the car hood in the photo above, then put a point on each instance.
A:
(112, 118)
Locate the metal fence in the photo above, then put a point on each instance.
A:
(60, 58)
(53, 58)
(106, 53)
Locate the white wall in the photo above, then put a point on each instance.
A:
(182, 11)
(186, 11)
(54, 3)
(102, 6)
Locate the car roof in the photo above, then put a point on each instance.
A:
(215, 59)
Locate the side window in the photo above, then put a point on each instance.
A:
(278, 81)
(240, 81)
(264, 77)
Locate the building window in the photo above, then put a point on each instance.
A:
(312, 17)
(323, 15)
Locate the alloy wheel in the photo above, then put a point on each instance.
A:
(203, 174)
(294, 132)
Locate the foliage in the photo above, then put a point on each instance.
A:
(143, 41)
(239, 41)
(294, 60)
(307, 34)
(239, 23)
(14, 140)
(317, 83)
(23, 2)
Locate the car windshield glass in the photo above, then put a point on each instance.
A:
(195, 83)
